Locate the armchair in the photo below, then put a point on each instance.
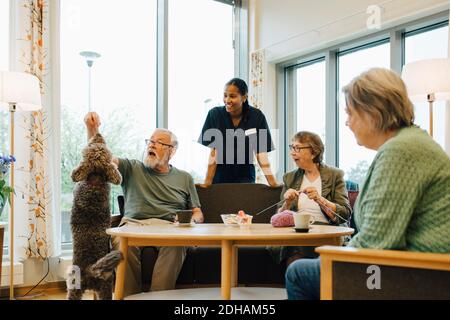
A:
(345, 274)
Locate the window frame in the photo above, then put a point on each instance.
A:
(286, 80)
(339, 54)
(291, 113)
(240, 44)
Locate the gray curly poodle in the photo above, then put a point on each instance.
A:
(93, 265)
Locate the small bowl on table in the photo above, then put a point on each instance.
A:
(245, 221)
(229, 220)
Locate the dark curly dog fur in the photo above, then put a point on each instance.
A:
(90, 218)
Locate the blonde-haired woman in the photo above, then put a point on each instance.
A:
(404, 203)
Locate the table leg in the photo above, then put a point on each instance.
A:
(227, 248)
(234, 266)
(120, 276)
(338, 241)
(326, 279)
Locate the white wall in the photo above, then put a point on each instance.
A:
(288, 28)
(292, 28)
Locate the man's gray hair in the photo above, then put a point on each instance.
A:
(173, 137)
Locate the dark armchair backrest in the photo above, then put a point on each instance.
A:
(115, 220)
(229, 198)
(350, 282)
(353, 192)
(121, 201)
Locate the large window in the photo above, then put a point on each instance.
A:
(123, 82)
(311, 96)
(355, 159)
(429, 44)
(201, 61)
(127, 79)
(4, 116)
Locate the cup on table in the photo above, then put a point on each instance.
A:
(303, 221)
(184, 217)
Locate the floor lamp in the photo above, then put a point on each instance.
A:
(18, 92)
(428, 80)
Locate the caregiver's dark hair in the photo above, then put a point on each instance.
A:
(242, 87)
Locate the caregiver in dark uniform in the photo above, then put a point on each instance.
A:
(235, 133)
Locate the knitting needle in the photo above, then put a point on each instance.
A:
(276, 204)
(329, 210)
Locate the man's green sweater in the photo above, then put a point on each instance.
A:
(404, 203)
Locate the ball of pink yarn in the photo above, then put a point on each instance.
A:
(283, 219)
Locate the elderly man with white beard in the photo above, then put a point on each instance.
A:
(153, 191)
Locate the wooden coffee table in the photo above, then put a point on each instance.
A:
(227, 237)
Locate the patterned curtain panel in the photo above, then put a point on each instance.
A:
(32, 52)
(256, 94)
(257, 78)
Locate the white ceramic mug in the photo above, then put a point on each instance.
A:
(302, 220)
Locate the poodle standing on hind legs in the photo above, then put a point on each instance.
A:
(93, 265)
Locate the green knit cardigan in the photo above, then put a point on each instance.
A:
(404, 203)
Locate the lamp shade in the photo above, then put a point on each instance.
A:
(20, 88)
(427, 76)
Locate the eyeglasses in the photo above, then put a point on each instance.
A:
(297, 148)
(158, 143)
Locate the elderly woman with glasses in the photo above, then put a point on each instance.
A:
(314, 187)
(404, 203)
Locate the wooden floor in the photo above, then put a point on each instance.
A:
(57, 291)
(180, 294)
(50, 294)
(240, 293)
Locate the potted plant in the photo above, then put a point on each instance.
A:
(5, 189)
